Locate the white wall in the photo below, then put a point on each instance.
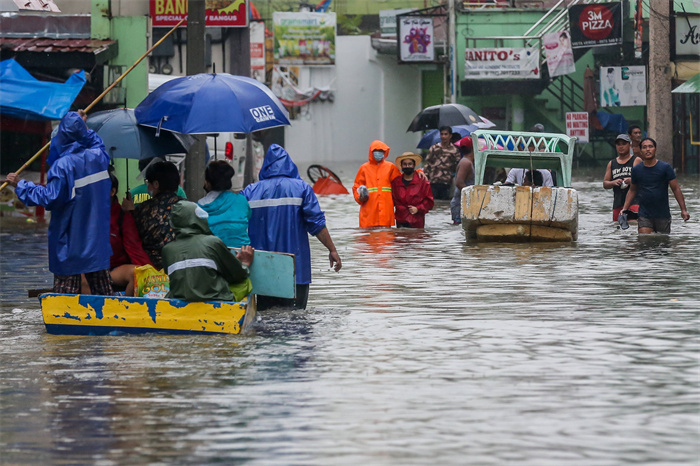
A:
(375, 98)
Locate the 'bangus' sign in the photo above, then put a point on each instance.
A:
(595, 25)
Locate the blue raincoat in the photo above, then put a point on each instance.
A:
(285, 211)
(77, 194)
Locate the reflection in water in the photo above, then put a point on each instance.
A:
(423, 348)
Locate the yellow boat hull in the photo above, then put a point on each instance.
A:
(66, 314)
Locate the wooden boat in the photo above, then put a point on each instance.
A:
(272, 274)
(66, 314)
(521, 213)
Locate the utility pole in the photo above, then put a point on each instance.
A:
(240, 65)
(659, 103)
(452, 39)
(196, 159)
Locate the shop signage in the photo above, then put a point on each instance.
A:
(595, 25)
(304, 38)
(416, 42)
(257, 50)
(387, 21)
(502, 63)
(623, 86)
(219, 13)
(688, 35)
(577, 125)
(560, 57)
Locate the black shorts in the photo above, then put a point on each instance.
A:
(659, 225)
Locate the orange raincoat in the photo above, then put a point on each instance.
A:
(378, 210)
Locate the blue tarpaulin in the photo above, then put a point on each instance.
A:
(24, 96)
(612, 122)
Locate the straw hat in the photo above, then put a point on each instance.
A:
(408, 155)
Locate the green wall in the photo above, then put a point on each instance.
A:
(433, 86)
(130, 32)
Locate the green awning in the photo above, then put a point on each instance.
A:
(691, 86)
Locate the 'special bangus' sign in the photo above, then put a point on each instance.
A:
(595, 25)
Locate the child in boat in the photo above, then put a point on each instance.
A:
(200, 266)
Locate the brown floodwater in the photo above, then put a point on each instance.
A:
(423, 349)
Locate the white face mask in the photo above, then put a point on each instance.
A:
(378, 155)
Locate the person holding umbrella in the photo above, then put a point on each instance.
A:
(440, 164)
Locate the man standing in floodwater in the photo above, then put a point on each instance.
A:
(441, 163)
(285, 211)
(650, 182)
(372, 188)
(618, 174)
(635, 134)
(77, 194)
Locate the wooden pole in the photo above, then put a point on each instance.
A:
(99, 97)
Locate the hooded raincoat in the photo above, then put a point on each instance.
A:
(229, 214)
(378, 210)
(77, 194)
(199, 264)
(285, 211)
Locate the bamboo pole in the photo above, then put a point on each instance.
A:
(99, 97)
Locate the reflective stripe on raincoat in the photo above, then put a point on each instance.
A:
(285, 211)
(378, 211)
(199, 264)
(77, 194)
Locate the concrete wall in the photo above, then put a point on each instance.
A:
(375, 98)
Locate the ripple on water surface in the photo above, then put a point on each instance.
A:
(423, 348)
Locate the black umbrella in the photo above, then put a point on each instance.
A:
(444, 115)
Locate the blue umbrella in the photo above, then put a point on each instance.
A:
(124, 139)
(212, 103)
(433, 136)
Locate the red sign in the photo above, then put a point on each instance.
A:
(596, 22)
(577, 125)
(219, 13)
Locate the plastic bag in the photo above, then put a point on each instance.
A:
(241, 290)
(150, 283)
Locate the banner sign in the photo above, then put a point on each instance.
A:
(623, 86)
(688, 35)
(595, 25)
(577, 125)
(387, 21)
(502, 63)
(557, 49)
(219, 13)
(304, 38)
(638, 29)
(416, 39)
(257, 50)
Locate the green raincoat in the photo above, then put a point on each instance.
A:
(199, 264)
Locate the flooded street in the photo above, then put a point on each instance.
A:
(423, 349)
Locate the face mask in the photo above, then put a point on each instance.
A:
(378, 155)
(408, 170)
